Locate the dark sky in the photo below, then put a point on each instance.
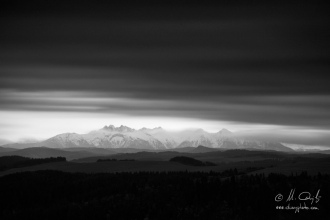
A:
(255, 62)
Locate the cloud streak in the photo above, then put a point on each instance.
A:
(257, 64)
(308, 111)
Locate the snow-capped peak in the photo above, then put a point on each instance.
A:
(156, 138)
(122, 128)
(110, 127)
(199, 130)
(225, 132)
(151, 129)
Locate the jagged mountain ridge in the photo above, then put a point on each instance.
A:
(157, 138)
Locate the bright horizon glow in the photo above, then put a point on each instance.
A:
(21, 125)
(33, 126)
(57, 112)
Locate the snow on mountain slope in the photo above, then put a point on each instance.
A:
(169, 139)
(66, 140)
(121, 137)
(157, 138)
(198, 137)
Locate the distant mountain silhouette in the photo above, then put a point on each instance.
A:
(202, 149)
(191, 161)
(7, 149)
(215, 156)
(43, 152)
(8, 162)
(111, 137)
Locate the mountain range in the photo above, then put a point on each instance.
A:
(111, 137)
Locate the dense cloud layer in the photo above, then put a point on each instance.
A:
(262, 64)
(308, 111)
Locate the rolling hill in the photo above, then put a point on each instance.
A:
(7, 149)
(44, 152)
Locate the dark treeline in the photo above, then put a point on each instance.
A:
(8, 162)
(191, 161)
(156, 195)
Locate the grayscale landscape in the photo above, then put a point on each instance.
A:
(164, 109)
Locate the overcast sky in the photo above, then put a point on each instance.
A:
(74, 67)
